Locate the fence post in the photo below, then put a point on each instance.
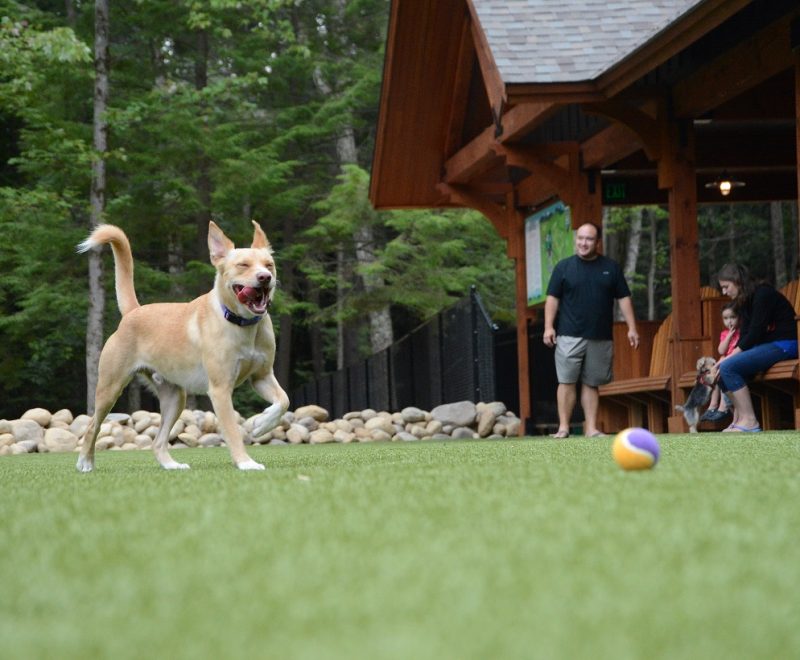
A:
(440, 354)
(476, 370)
(368, 396)
(482, 385)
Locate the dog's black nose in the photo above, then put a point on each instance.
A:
(263, 278)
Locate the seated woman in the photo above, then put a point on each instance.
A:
(768, 334)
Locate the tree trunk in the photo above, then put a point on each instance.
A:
(381, 335)
(651, 271)
(283, 352)
(69, 9)
(204, 185)
(778, 242)
(731, 235)
(94, 323)
(634, 243)
(712, 252)
(315, 337)
(342, 276)
(134, 395)
(380, 321)
(796, 239)
(609, 239)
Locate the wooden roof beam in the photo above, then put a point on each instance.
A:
(534, 191)
(477, 155)
(460, 95)
(492, 80)
(610, 145)
(523, 118)
(464, 196)
(741, 68)
(536, 161)
(642, 124)
(472, 159)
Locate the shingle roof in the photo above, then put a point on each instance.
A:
(546, 41)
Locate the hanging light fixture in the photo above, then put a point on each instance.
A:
(725, 184)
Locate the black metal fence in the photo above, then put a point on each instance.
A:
(449, 358)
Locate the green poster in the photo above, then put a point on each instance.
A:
(548, 239)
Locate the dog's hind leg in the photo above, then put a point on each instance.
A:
(110, 384)
(172, 399)
(86, 456)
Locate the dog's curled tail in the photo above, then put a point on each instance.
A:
(123, 263)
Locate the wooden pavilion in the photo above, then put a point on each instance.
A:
(504, 105)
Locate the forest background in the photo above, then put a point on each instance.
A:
(160, 115)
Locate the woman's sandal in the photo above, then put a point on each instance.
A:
(735, 428)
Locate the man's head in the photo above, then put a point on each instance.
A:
(587, 239)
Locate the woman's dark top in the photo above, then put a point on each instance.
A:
(767, 317)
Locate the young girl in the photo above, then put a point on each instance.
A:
(720, 406)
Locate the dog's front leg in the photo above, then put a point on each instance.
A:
(270, 390)
(223, 405)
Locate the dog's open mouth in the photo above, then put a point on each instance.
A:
(255, 298)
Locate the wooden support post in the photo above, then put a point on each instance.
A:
(586, 200)
(797, 139)
(516, 250)
(677, 173)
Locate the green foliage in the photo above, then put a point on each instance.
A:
(427, 259)
(742, 233)
(618, 225)
(437, 255)
(43, 303)
(32, 58)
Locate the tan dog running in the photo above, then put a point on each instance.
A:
(700, 394)
(210, 345)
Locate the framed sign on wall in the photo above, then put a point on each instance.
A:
(548, 239)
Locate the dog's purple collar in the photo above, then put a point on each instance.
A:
(238, 320)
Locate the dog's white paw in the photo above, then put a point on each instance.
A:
(250, 464)
(174, 465)
(267, 421)
(84, 464)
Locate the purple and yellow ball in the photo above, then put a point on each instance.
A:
(636, 449)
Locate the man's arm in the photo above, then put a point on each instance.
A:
(626, 307)
(550, 311)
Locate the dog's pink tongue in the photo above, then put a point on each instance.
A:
(247, 294)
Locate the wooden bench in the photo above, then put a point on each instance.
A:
(777, 386)
(781, 382)
(647, 400)
(643, 400)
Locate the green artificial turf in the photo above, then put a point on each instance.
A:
(494, 549)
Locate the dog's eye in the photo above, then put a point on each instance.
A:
(243, 265)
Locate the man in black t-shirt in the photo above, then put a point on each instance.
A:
(578, 321)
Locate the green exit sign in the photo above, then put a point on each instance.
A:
(615, 191)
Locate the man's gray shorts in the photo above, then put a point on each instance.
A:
(587, 360)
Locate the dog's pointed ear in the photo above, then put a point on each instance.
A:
(218, 244)
(259, 237)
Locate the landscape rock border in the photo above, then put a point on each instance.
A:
(39, 430)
